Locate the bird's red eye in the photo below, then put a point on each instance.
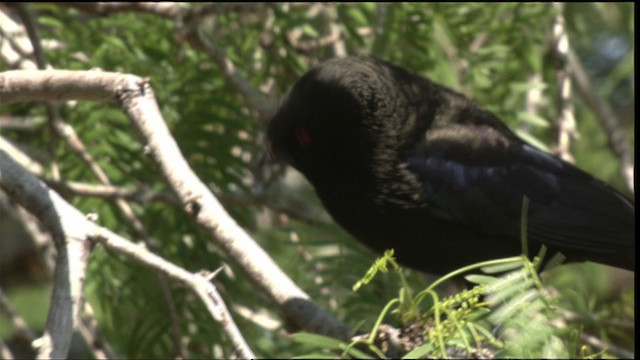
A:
(303, 138)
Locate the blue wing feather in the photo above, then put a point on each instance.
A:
(568, 208)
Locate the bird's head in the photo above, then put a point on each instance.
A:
(334, 115)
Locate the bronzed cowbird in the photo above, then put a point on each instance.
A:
(401, 162)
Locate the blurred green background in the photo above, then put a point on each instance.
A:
(497, 54)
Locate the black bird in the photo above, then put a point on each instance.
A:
(401, 162)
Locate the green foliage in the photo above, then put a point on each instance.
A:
(507, 314)
(488, 52)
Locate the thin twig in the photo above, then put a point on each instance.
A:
(380, 31)
(88, 327)
(334, 38)
(609, 347)
(164, 10)
(20, 327)
(21, 157)
(66, 131)
(23, 123)
(15, 47)
(295, 34)
(565, 120)
(5, 352)
(41, 239)
(569, 316)
(141, 194)
(193, 32)
(144, 195)
(616, 135)
(196, 281)
(32, 31)
(198, 39)
(53, 112)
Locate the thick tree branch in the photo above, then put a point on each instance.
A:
(61, 129)
(60, 85)
(72, 254)
(68, 221)
(139, 104)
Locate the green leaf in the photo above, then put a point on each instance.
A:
(420, 351)
(500, 268)
(480, 279)
(532, 119)
(316, 340)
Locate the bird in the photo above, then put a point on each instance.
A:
(403, 163)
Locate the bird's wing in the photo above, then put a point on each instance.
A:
(476, 175)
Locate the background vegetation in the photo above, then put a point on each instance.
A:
(496, 54)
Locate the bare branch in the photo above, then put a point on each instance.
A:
(258, 101)
(139, 104)
(59, 85)
(32, 31)
(199, 283)
(608, 346)
(295, 34)
(60, 128)
(71, 261)
(196, 37)
(53, 112)
(15, 48)
(380, 29)
(565, 120)
(22, 158)
(41, 239)
(18, 122)
(140, 194)
(88, 327)
(65, 131)
(69, 222)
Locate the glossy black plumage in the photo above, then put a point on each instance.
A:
(403, 163)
